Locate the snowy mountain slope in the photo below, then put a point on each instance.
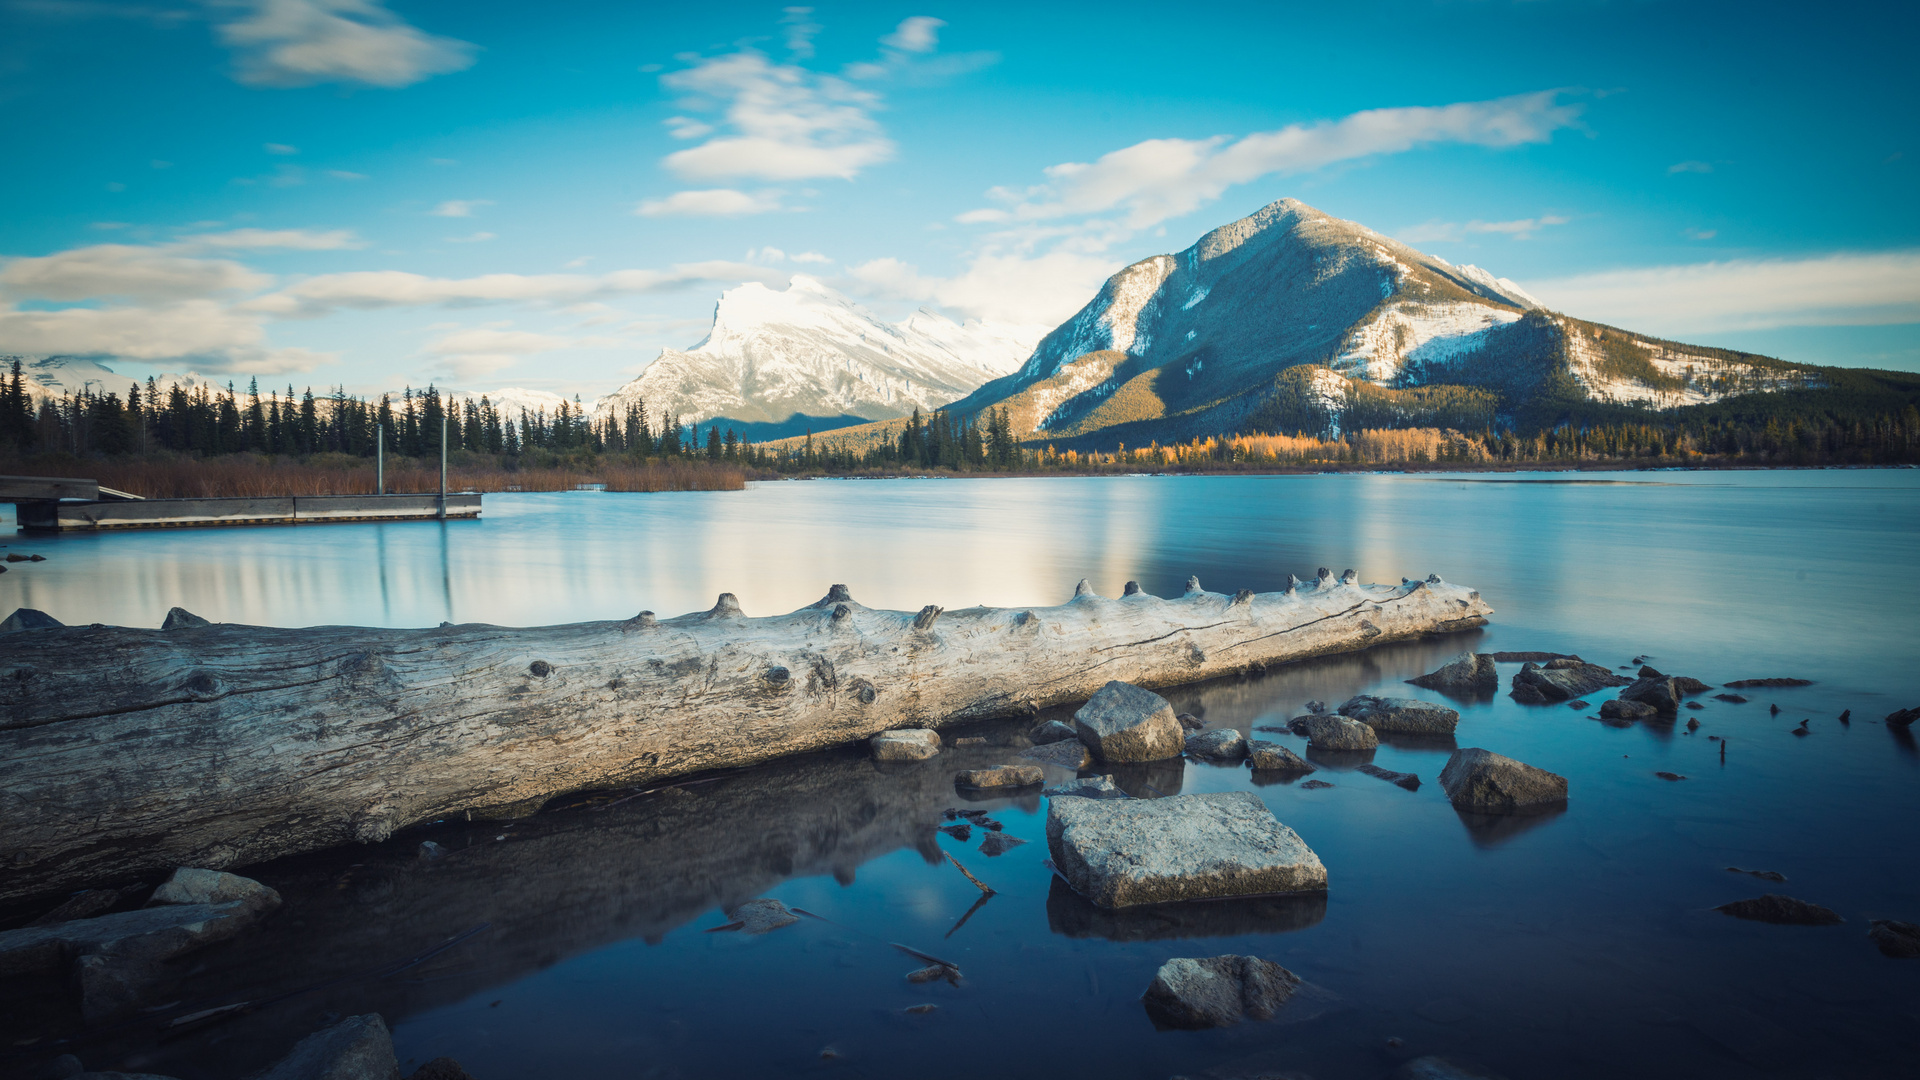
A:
(54, 376)
(807, 356)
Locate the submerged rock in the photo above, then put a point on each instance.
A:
(1217, 991)
(1743, 684)
(1335, 733)
(1052, 731)
(357, 1048)
(1735, 699)
(89, 903)
(1190, 722)
(1066, 754)
(1226, 744)
(1434, 1067)
(1006, 776)
(762, 915)
(1398, 779)
(1314, 785)
(999, 843)
(1489, 783)
(905, 744)
(155, 933)
(1088, 787)
(1627, 710)
(1903, 718)
(1766, 875)
(1272, 757)
(1468, 673)
(1184, 847)
(1125, 723)
(441, 1068)
(1899, 940)
(1398, 715)
(1784, 910)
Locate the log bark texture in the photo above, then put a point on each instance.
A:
(126, 750)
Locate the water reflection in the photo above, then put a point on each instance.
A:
(1071, 915)
(1491, 830)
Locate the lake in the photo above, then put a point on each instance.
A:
(1582, 944)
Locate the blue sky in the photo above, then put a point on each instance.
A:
(374, 193)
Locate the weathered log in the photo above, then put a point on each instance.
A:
(124, 750)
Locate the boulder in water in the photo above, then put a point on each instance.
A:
(1564, 678)
(191, 886)
(1217, 991)
(1065, 754)
(1125, 723)
(1468, 673)
(1484, 782)
(1900, 940)
(1087, 787)
(1784, 910)
(1336, 733)
(1225, 744)
(1051, 732)
(905, 744)
(1434, 1067)
(1398, 779)
(1657, 691)
(1006, 776)
(1122, 853)
(1401, 716)
(357, 1048)
(1272, 757)
(1627, 710)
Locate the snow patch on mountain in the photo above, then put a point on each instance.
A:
(56, 376)
(1112, 321)
(1706, 379)
(1406, 337)
(1502, 288)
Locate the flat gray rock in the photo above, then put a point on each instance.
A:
(1065, 754)
(1328, 732)
(1468, 673)
(1402, 716)
(1489, 783)
(1217, 991)
(1272, 757)
(1125, 723)
(760, 916)
(1627, 710)
(1226, 744)
(1006, 776)
(357, 1048)
(905, 744)
(155, 933)
(191, 886)
(1562, 679)
(1121, 853)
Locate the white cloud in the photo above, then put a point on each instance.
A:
(1518, 229)
(811, 257)
(1844, 289)
(342, 174)
(285, 239)
(459, 207)
(800, 29)
(766, 255)
(491, 340)
(787, 123)
(715, 202)
(280, 148)
(1689, 166)
(210, 334)
(1000, 288)
(1700, 234)
(1152, 181)
(919, 34)
(686, 127)
(472, 238)
(302, 42)
(126, 272)
(371, 289)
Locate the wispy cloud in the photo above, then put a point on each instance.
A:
(1689, 167)
(1152, 181)
(714, 202)
(124, 272)
(284, 43)
(373, 289)
(283, 239)
(1004, 288)
(281, 149)
(1843, 289)
(1518, 229)
(473, 238)
(459, 207)
(784, 122)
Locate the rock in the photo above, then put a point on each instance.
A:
(1434, 1067)
(180, 618)
(1669, 776)
(27, 618)
(1904, 718)
(1785, 910)
(1697, 707)
(1733, 698)
(1627, 710)
(190, 886)
(1468, 673)
(1398, 779)
(1185, 847)
(1578, 705)
(1743, 684)
(1006, 776)
(1065, 754)
(1660, 693)
(999, 843)
(1090, 787)
(1527, 695)
(430, 850)
(1190, 722)
(1769, 875)
(1272, 757)
(962, 831)
(113, 987)
(1397, 715)
(1690, 686)
(1899, 940)
(905, 744)
(1226, 744)
(972, 740)
(934, 973)
(1315, 706)
(1217, 991)
(1565, 678)
(441, 1068)
(88, 903)
(762, 915)
(1488, 783)
(1125, 723)
(1336, 733)
(1531, 657)
(1052, 731)
(357, 1048)
(155, 933)
(1314, 785)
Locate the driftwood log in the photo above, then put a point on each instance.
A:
(128, 750)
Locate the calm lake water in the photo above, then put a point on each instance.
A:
(1583, 944)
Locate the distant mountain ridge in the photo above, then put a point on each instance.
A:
(780, 362)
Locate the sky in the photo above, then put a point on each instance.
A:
(372, 193)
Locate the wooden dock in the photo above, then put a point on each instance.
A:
(46, 504)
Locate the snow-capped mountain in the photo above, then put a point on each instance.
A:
(54, 376)
(777, 362)
(1193, 343)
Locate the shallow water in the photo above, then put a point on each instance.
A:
(1579, 944)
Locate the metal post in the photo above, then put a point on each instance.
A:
(443, 468)
(380, 459)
